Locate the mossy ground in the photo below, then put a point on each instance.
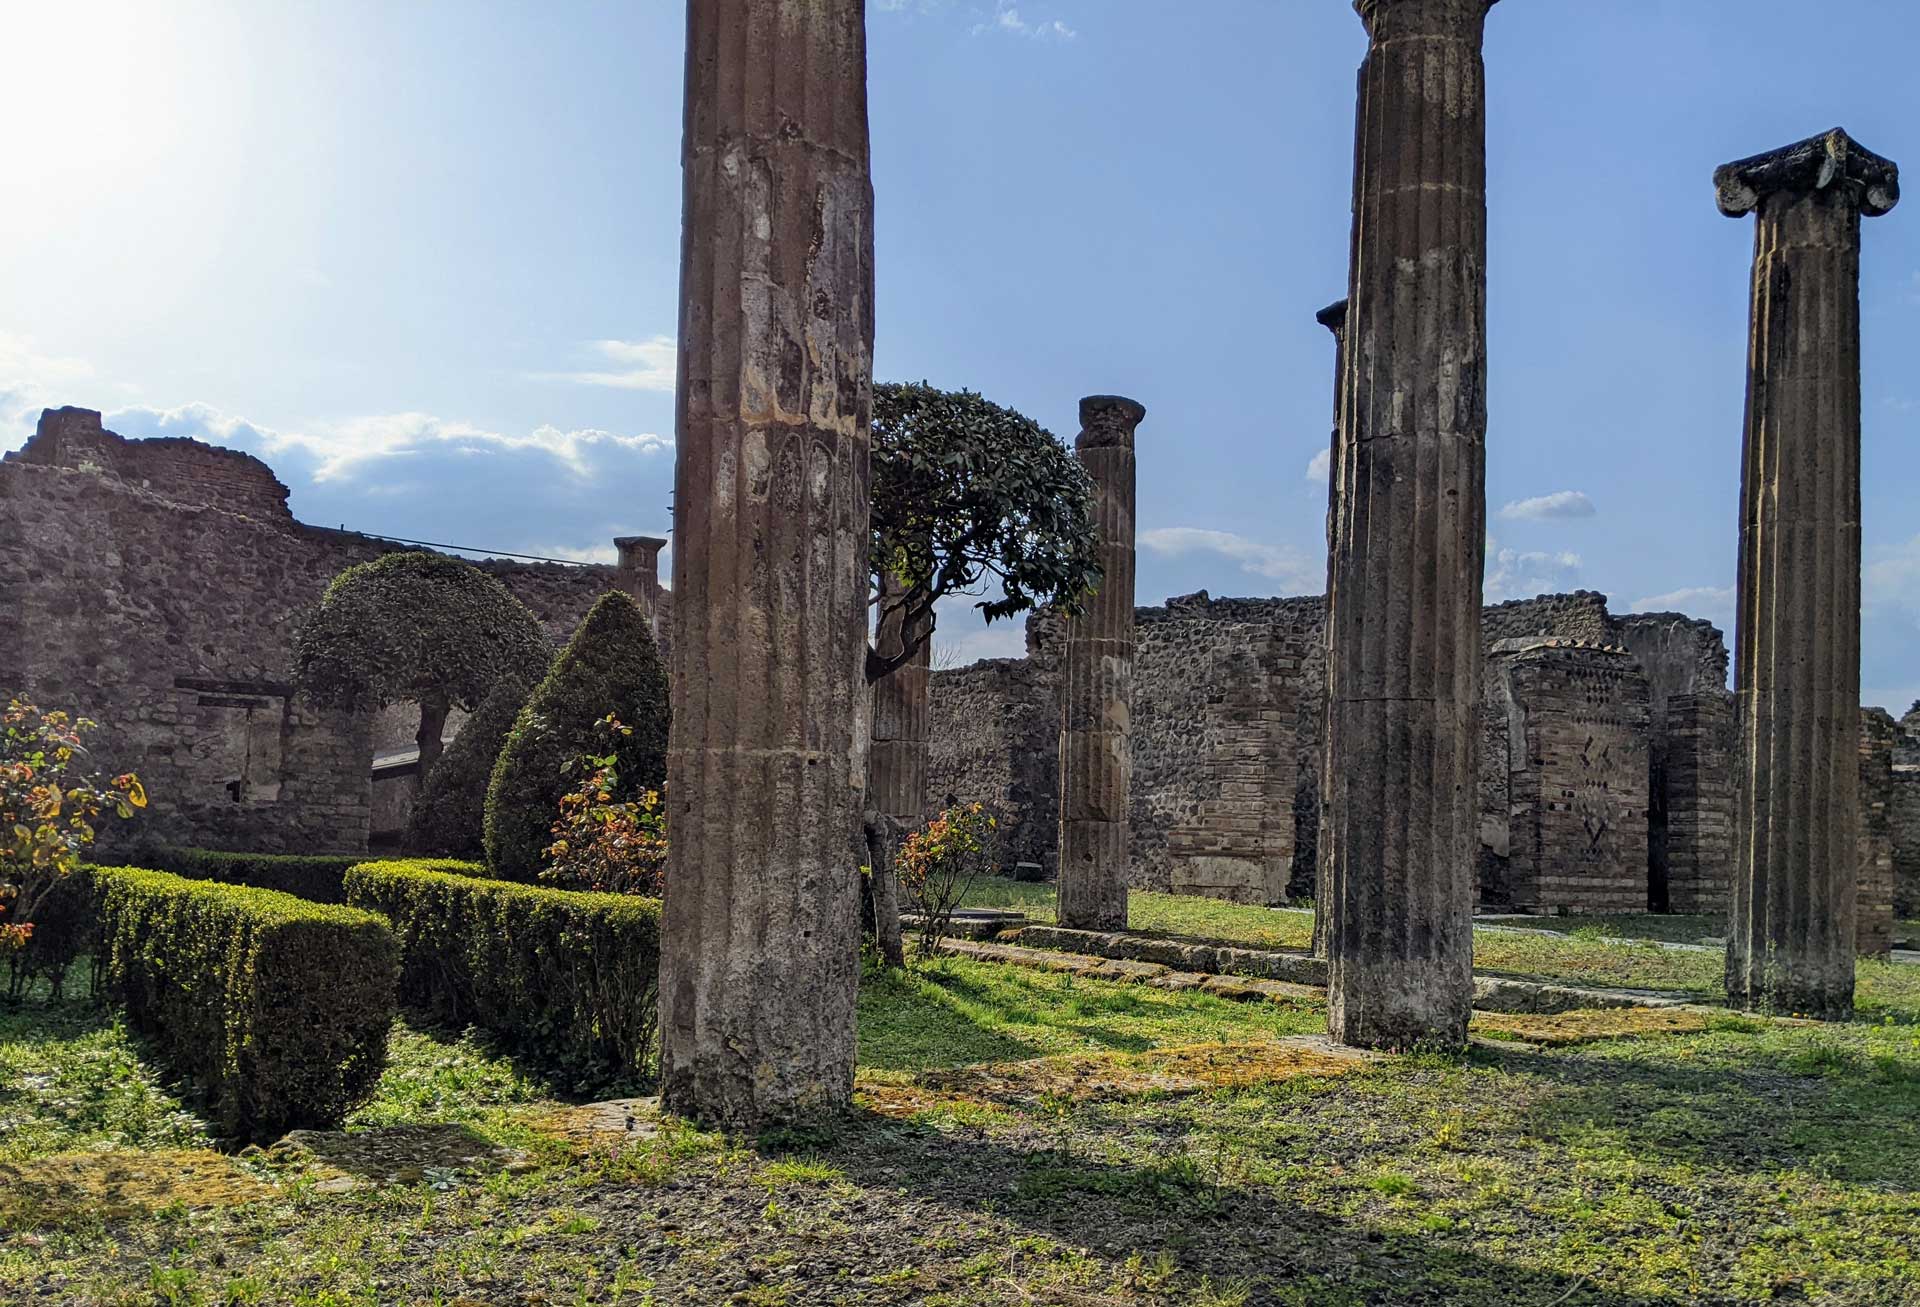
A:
(1025, 1137)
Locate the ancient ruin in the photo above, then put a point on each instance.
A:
(1791, 937)
(1405, 575)
(769, 755)
(1096, 760)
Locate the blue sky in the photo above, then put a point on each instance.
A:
(423, 259)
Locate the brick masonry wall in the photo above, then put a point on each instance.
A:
(1904, 827)
(1698, 776)
(159, 599)
(994, 732)
(1873, 915)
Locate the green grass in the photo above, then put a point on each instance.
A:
(1578, 951)
(1753, 1162)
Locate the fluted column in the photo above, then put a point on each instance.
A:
(1334, 319)
(1403, 600)
(768, 758)
(1096, 694)
(897, 767)
(1790, 936)
(638, 572)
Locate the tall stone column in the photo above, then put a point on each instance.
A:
(638, 572)
(1334, 319)
(897, 768)
(1790, 935)
(768, 759)
(1403, 620)
(1096, 694)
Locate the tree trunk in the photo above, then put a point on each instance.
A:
(433, 724)
(883, 843)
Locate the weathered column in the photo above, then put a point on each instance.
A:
(897, 768)
(1790, 934)
(765, 772)
(638, 572)
(1403, 620)
(1334, 319)
(1096, 694)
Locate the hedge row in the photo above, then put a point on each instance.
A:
(568, 977)
(277, 1007)
(316, 877)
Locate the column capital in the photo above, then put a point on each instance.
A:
(1333, 317)
(1108, 420)
(1387, 18)
(1831, 160)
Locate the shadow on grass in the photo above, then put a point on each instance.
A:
(918, 1020)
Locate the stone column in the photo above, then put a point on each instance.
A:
(1096, 694)
(897, 768)
(768, 760)
(1403, 619)
(1334, 319)
(1790, 932)
(638, 572)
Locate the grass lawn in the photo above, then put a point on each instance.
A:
(1744, 1162)
(1578, 950)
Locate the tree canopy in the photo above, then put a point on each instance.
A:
(416, 628)
(972, 498)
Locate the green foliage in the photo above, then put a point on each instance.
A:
(610, 836)
(449, 816)
(48, 807)
(611, 666)
(278, 1008)
(968, 495)
(938, 864)
(64, 926)
(313, 876)
(415, 627)
(569, 978)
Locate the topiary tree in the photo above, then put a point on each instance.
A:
(449, 814)
(417, 628)
(968, 496)
(611, 666)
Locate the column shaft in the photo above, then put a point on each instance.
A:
(1096, 763)
(1405, 576)
(768, 758)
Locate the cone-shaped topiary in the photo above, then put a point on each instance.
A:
(449, 816)
(610, 666)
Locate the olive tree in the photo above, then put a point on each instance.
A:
(417, 628)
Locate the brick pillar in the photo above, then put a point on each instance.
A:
(1873, 901)
(1790, 936)
(1700, 803)
(1334, 319)
(638, 572)
(767, 765)
(897, 771)
(1096, 695)
(1403, 675)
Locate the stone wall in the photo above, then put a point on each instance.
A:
(994, 728)
(1566, 738)
(1873, 915)
(155, 586)
(1693, 792)
(1904, 826)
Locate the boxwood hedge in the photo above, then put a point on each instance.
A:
(316, 877)
(276, 1007)
(570, 978)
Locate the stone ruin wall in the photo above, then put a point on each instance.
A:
(153, 586)
(1874, 913)
(1227, 718)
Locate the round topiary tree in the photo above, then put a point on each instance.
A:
(611, 666)
(449, 816)
(416, 628)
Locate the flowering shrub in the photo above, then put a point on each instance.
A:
(937, 866)
(604, 842)
(48, 807)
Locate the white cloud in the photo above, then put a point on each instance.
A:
(341, 448)
(1320, 466)
(636, 365)
(31, 381)
(1890, 580)
(606, 554)
(1272, 561)
(1522, 574)
(1714, 603)
(957, 648)
(1007, 19)
(1559, 504)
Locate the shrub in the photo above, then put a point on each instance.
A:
(569, 978)
(609, 667)
(64, 929)
(316, 877)
(938, 865)
(449, 816)
(48, 806)
(278, 1008)
(606, 838)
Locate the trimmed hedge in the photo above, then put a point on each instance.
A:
(611, 665)
(570, 978)
(278, 1008)
(315, 877)
(450, 814)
